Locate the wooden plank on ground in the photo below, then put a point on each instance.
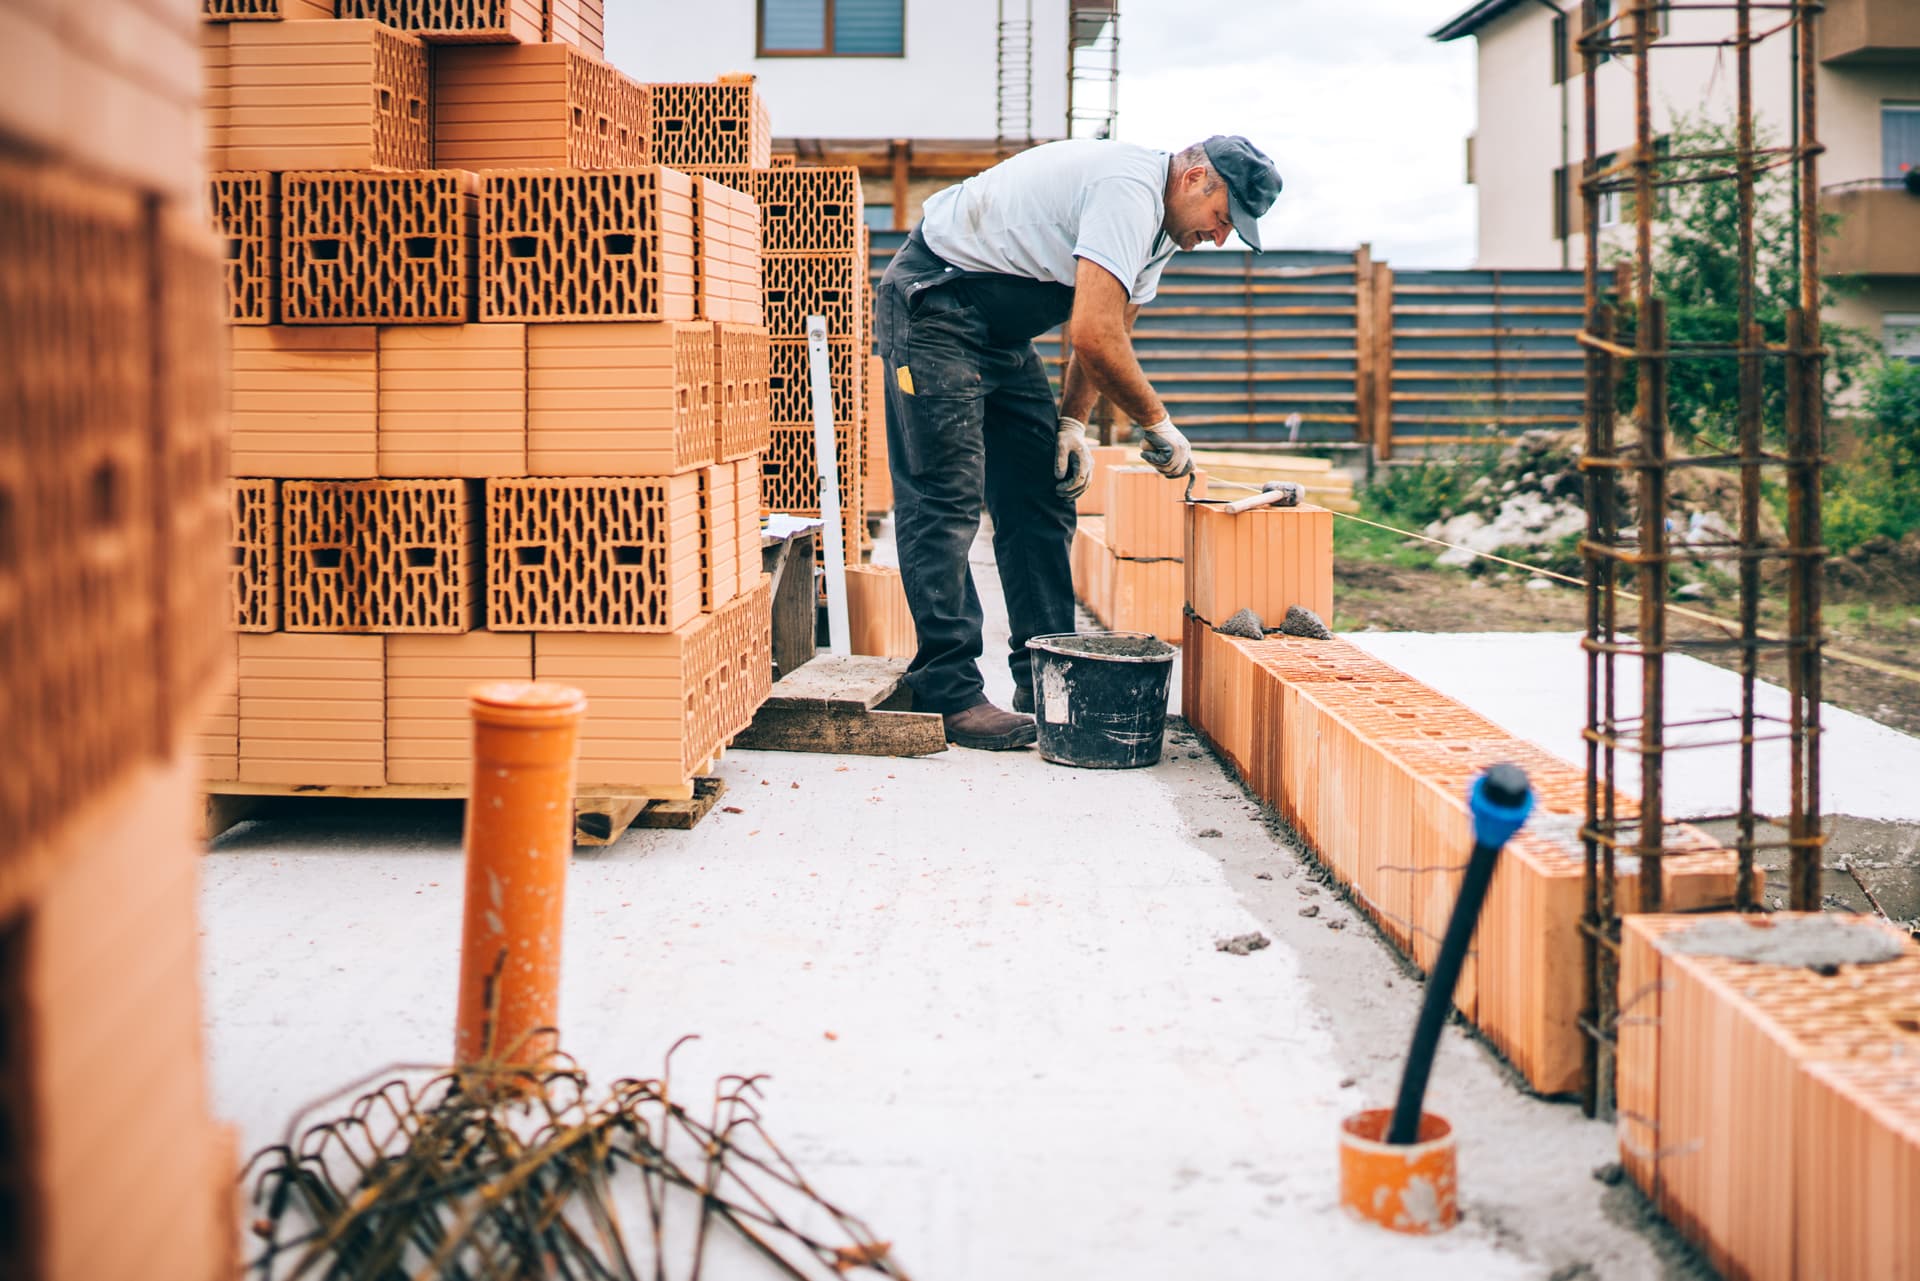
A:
(829, 706)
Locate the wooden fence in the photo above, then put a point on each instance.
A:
(1239, 344)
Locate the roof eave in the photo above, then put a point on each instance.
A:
(1472, 20)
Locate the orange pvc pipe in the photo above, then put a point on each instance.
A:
(519, 836)
(1402, 1187)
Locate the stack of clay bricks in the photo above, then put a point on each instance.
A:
(814, 254)
(1371, 768)
(500, 395)
(112, 545)
(1772, 1110)
(1128, 565)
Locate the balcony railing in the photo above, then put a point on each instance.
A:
(1865, 31)
(1879, 228)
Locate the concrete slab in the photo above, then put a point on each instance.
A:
(987, 992)
(1534, 685)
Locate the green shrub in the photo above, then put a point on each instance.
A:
(1877, 493)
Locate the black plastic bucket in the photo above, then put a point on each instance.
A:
(1100, 698)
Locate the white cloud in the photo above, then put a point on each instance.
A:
(1366, 118)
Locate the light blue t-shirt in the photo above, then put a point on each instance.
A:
(1033, 214)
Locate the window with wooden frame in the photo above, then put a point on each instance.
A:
(832, 28)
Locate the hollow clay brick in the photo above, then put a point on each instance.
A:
(653, 724)
(377, 248)
(579, 23)
(429, 726)
(558, 245)
(380, 555)
(453, 400)
(1147, 597)
(719, 536)
(246, 214)
(830, 285)
(727, 260)
(723, 123)
(110, 961)
(305, 401)
(593, 555)
(535, 106)
(1265, 560)
(878, 620)
(253, 576)
(1146, 513)
(749, 507)
(810, 211)
(1093, 499)
(878, 482)
(312, 709)
(790, 380)
(266, 10)
(319, 95)
(620, 399)
(456, 21)
(741, 368)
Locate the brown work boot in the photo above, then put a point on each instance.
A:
(986, 727)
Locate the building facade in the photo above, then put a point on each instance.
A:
(918, 93)
(1525, 156)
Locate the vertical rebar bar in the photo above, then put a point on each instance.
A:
(1748, 339)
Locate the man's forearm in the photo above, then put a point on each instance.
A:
(1111, 367)
(1077, 389)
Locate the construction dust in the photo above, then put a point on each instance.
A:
(1800, 941)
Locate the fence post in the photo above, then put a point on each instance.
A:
(1382, 361)
(1363, 322)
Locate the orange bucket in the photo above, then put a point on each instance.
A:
(1403, 1187)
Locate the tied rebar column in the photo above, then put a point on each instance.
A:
(1631, 544)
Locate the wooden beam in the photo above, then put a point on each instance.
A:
(902, 152)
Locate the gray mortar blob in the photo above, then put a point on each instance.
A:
(1818, 942)
(1301, 621)
(1244, 624)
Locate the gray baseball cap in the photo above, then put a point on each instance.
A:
(1253, 184)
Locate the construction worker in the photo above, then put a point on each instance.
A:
(1075, 232)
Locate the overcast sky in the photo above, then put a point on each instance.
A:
(1366, 118)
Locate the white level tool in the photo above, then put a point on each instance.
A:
(839, 634)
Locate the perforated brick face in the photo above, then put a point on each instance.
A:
(246, 218)
(790, 380)
(833, 286)
(450, 21)
(264, 10)
(593, 555)
(378, 248)
(697, 125)
(810, 211)
(741, 374)
(380, 555)
(587, 246)
(253, 577)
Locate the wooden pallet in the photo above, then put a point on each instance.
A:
(600, 817)
(838, 703)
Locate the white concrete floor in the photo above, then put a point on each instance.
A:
(1534, 685)
(986, 990)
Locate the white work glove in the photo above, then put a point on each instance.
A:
(1167, 451)
(1072, 459)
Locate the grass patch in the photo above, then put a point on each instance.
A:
(1355, 541)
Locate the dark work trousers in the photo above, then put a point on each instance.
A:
(971, 416)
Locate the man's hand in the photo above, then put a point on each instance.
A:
(1167, 451)
(1072, 459)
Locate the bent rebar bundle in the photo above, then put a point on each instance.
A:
(497, 1172)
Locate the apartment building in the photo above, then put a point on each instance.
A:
(1524, 158)
(918, 93)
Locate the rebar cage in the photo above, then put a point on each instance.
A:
(1628, 465)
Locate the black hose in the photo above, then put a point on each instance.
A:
(1500, 802)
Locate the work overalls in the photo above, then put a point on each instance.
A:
(971, 415)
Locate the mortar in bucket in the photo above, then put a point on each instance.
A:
(1100, 698)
